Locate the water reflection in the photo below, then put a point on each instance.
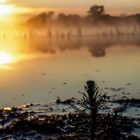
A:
(96, 46)
(5, 58)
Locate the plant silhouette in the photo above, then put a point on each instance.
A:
(92, 99)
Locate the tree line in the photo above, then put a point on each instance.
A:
(96, 15)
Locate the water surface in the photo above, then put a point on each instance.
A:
(43, 68)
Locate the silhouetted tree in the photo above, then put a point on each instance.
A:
(96, 12)
(92, 100)
(61, 17)
(50, 14)
(41, 19)
(73, 19)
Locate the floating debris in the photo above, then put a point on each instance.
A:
(67, 101)
(129, 84)
(115, 89)
(64, 83)
(43, 73)
(97, 70)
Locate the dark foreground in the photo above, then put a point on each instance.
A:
(67, 120)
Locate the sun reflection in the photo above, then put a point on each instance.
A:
(6, 58)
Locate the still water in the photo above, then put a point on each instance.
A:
(38, 70)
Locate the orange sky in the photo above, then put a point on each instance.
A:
(72, 6)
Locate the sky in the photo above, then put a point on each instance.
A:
(72, 6)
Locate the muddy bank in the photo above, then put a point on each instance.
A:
(64, 120)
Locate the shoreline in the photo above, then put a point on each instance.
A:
(66, 119)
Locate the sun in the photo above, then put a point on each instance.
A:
(2, 1)
(5, 58)
(5, 9)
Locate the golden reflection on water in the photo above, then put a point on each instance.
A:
(6, 58)
(9, 60)
(12, 51)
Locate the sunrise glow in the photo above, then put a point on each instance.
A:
(6, 58)
(6, 9)
(2, 1)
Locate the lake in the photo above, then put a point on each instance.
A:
(37, 70)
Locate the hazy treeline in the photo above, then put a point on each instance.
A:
(96, 22)
(95, 15)
(74, 24)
